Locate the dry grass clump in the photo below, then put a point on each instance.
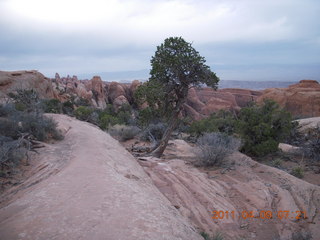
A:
(212, 148)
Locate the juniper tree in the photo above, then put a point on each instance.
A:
(175, 68)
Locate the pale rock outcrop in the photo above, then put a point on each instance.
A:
(93, 189)
(99, 95)
(242, 187)
(115, 90)
(301, 99)
(12, 81)
(119, 101)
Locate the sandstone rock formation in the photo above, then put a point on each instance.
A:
(302, 99)
(205, 101)
(243, 187)
(12, 81)
(92, 189)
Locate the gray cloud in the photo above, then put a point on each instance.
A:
(277, 38)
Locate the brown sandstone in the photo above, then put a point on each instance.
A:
(301, 99)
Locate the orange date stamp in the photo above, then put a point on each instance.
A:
(261, 214)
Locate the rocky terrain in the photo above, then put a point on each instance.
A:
(89, 187)
(301, 99)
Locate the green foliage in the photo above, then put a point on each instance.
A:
(263, 127)
(83, 113)
(222, 121)
(106, 120)
(109, 117)
(52, 106)
(175, 67)
(297, 172)
(26, 100)
(68, 107)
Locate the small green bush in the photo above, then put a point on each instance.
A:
(297, 172)
(68, 108)
(83, 113)
(212, 148)
(106, 120)
(123, 132)
(222, 121)
(52, 106)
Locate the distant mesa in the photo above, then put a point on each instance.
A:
(301, 99)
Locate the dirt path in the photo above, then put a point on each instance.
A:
(89, 187)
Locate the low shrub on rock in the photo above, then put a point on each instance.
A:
(212, 148)
(123, 132)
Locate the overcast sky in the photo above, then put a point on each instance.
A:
(240, 39)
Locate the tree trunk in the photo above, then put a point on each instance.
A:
(166, 136)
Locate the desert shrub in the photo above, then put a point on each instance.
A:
(222, 121)
(124, 116)
(212, 148)
(106, 120)
(41, 127)
(123, 132)
(83, 113)
(52, 106)
(17, 128)
(80, 101)
(67, 108)
(153, 132)
(26, 100)
(262, 127)
(297, 172)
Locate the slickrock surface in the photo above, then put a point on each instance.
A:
(89, 187)
(245, 186)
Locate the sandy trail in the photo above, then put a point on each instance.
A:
(89, 187)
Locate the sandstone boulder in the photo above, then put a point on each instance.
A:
(119, 101)
(12, 81)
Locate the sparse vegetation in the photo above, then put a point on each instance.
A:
(20, 126)
(297, 172)
(212, 148)
(217, 236)
(261, 127)
(124, 132)
(276, 162)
